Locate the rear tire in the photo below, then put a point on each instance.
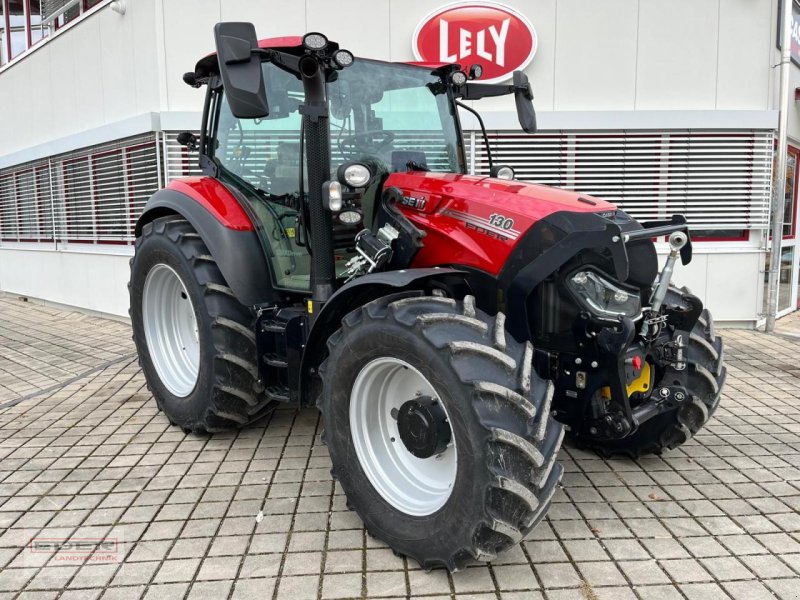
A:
(222, 392)
(504, 470)
(706, 377)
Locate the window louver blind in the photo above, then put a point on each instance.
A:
(25, 206)
(93, 195)
(717, 179)
(178, 160)
(103, 189)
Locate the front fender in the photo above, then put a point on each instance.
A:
(357, 293)
(237, 251)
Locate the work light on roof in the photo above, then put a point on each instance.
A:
(458, 77)
(343, 58)
(314, 41)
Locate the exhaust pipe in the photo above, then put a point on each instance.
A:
(318, 160)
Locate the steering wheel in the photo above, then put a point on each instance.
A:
(372, 141)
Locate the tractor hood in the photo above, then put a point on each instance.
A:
(477, 221)
(526, 200)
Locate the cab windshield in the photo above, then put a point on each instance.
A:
(392, 117)
(389, 115)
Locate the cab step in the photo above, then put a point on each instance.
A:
(280, 338)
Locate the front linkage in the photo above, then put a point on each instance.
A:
(616, 373)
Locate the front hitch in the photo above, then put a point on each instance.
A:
(677, 241)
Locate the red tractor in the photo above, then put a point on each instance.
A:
(446, 325)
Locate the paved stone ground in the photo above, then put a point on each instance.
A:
(43, 347)
(92, 459)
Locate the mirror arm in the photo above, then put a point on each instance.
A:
(476, 91)
(483, 130)
(285, 62)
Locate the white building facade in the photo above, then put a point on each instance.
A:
(661, 107)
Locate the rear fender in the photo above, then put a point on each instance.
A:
(357, 293)
(226, 231)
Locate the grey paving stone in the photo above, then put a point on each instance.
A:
(182, 569)
(643, 572)
(557, 575)
(253, 589)
(515, 577)
(747, 590)
(393, 583)
(435, 582)
(342, 585)
(685, 570)
(704, 591)
(304, 587)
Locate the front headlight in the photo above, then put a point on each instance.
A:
(603, 298)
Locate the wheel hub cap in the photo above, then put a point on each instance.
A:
(405, 447)
(423, 427)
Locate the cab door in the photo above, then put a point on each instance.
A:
(261, 158)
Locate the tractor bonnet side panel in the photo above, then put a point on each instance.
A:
(477, 221)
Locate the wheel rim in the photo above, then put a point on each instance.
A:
(171, 331)
(415, 486)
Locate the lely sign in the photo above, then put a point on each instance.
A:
(493, 35)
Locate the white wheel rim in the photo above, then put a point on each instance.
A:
(415, 486)
(171, 331)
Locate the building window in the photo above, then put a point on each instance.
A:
(78, 204)
(39, 30)
(109, 187)
(68, 16)
(17, 16)
(27, 209)
(44, 203)
(3, 35)
(8, 209)
(25, 23)
(790, 193)
(719, 180)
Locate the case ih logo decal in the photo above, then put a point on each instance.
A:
(414, 202)
(496, 36)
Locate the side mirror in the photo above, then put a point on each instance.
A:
(524, 100)
(188, 139)
(240, 68)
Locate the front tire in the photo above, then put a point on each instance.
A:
(706, 375)
(497, 443)
(195, 340)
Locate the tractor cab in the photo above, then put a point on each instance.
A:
(387, 117)
(383, 118)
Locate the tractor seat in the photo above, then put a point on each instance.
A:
(401, 158)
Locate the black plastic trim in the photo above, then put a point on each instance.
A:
(238, 254)
(357, 293)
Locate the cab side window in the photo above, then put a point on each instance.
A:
(261, 158)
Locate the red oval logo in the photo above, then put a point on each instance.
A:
(493, 35)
